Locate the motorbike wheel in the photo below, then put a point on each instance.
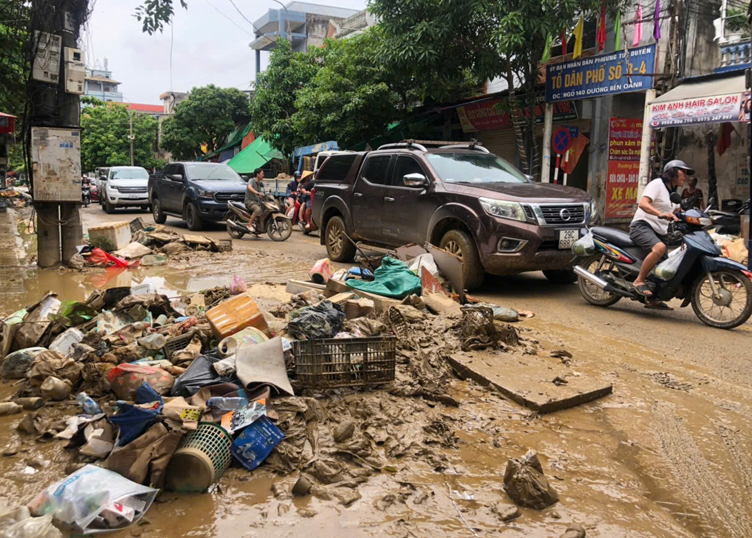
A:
(279, 228)
(589, 291)
(232, 232)
(731, 308)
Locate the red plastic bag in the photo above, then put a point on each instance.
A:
(126, 378)
(100, 257)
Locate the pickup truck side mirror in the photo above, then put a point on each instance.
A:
(176, 177)
(415, 180)
(102, 178)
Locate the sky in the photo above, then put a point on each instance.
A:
(207, 48)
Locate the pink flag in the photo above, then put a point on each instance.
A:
(637, 27)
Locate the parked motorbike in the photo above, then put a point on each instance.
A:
(728, 222)
(85, 194)
(272, 221)
(719, 289)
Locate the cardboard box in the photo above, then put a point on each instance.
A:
(235, 315)
(110, 236)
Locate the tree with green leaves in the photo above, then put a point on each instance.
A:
(490, 39)
(154, 14)
(273, 104)
(206, 118)
(104, 136)
(352, 97)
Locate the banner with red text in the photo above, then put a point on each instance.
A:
(715, 109)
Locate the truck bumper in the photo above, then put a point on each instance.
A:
(211, 209)
(127, 200)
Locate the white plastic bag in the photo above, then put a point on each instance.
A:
(81, 498)
(32, 527)
(585, 245)
(666, 270)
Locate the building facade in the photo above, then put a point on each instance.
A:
(304, 24)
(99, 84)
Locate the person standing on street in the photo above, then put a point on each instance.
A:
(254, 196)
(692, 196)
(649, 228)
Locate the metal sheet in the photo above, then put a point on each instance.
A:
(56, 158)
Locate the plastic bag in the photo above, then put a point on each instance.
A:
(100, 257)
(666, 270)
(199, 374)
(238, 285)
(32, 527)
(19, 362)
(314, 322)
(81, 498)
(585, 245)
(126, 378)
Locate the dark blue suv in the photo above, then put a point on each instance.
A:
(194, 191)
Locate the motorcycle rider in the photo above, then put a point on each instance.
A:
(292, 191)
(254, 197)
(649, 227)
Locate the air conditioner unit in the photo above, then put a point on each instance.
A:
(47, 59)
(75, 70)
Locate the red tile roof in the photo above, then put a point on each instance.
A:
(138, 107)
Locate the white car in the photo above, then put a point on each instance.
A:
(124, 186)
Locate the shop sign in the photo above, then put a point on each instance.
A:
(714, 109)
(624, 142)
(494, 114)
(597, 76)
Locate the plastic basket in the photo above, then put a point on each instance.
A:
(345, 362)
(203, 456)
(176, 343)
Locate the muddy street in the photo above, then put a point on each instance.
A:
(668, 454)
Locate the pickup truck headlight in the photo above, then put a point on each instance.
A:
(205, 194)
(502, 209)
(592, 212)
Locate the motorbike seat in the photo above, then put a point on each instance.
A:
(617, 237)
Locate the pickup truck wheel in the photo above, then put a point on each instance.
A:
(194, 222)
(564, 276)
(156, 211)
(108, 207)
(462, 245)
(338, 246)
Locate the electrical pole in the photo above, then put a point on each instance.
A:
(130, 136)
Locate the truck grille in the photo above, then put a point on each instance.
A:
(563, 214)
(226, 197)
(132, 190)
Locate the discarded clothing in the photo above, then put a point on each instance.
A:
(321, 321)
(133, 421)
(392, 279)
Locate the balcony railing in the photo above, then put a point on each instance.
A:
(736, 55)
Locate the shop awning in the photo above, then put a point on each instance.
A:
(716, 98)
(315, 148)
(254, 156)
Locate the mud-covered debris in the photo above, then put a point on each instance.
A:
(574, 531)
(10, 408)
(346, 496)
(306, 512)
(302, 487)
(343, 431)
(506, 512)
(11, 449)
(327, 472)
(525, 483)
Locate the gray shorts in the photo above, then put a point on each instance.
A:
(644, 236)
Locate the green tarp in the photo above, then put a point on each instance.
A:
(393, 280)
(255, 155)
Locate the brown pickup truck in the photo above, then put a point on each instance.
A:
(459, 197)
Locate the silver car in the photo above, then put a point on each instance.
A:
(124, 186)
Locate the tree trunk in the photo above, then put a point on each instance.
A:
(514, 115)
(535, 156)
(712, 180)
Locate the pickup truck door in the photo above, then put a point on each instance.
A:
(404, 206)
(368, 198)
(172, 191)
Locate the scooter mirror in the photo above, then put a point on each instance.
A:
(675, 198)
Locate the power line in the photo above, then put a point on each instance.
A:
(228, 18)
(242, 15)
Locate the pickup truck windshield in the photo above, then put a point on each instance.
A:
(129, 173)
(471, 168)
(218, 172)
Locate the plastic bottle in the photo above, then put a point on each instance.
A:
(226, 404)
(89, 406)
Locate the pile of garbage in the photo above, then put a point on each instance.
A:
(172, 390)
(130, 244)
(14, 198)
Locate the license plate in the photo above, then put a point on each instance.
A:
(567, 238)
(136, 196)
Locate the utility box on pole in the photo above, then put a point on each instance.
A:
(75, 71)
(56, 161)
(47, 60)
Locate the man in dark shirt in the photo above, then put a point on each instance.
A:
(254, 195)
(309, 183)
(292, 191)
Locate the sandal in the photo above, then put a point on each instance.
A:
(658, 306)
(643, 290)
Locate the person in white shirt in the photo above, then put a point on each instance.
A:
(649, 228)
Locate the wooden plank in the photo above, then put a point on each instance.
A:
(529, 379)
(298, 286)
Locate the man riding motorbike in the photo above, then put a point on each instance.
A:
(649, 227)
(254, 197)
